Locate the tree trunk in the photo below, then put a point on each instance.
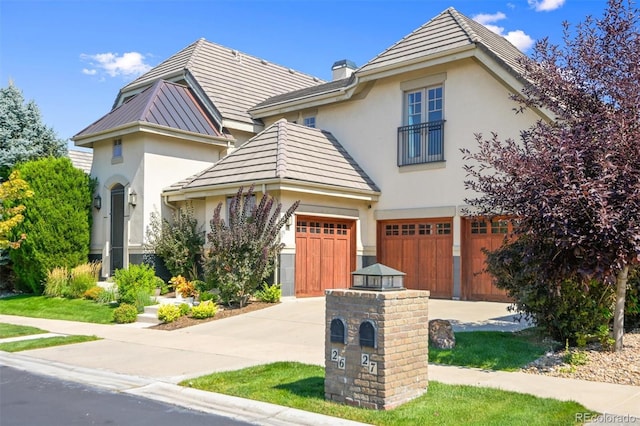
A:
(618, 317)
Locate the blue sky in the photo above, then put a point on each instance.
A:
(72, 56)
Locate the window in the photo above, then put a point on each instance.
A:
(251, 203)
(117, 149)
(310, 122)
(420, 140)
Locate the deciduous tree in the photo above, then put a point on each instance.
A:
(574, 181)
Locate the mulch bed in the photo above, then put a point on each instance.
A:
(223, 312)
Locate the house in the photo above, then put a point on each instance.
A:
(373, 155)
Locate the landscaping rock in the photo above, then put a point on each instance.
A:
(441, 334)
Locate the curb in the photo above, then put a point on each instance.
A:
(256, 412)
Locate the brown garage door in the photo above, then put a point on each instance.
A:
(421, 248)
(478, 234)
(325, 255)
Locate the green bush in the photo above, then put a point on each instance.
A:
(57, 282)
(269, 293)
(207, 295)
(168, 313)
(204, 310)
(132, 281)
(143, 298)
(108, 295)
(57, 221)
(184, 309)
(125, 314)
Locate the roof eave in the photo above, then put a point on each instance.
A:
(145, 127)
(439, 58)
(317, 99)
(276, 184)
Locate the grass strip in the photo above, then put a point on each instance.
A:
(12, 330)
(57, 308)
(492, 350)
(302, 386)
(45, 342)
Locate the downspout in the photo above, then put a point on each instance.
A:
(165, 201)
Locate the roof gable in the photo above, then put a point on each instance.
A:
(233, 81)
(165, 104)
(288, 151)
(448, 31)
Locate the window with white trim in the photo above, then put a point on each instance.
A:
(421, 138)
(310, 121)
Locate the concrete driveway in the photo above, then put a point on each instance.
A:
(290, 331)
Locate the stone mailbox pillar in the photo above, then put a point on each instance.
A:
(376, 345)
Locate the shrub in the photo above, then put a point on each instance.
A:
(207, 295)
(57, 221)
(56, 282)
(82, 278)
(568, 309)
(94, 293)
(143, 298)
(133, 280)
(242, 251)
(184, 309)
(125, 314)
(269, 293)
(178, 243)
(168, 313)
(206, 309)
(164, 288)
(184, 287)
(108, 295)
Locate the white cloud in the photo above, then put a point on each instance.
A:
(545, 5)
(486, 18)
(130, 64)
(518, 37)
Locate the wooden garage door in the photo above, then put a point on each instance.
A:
(478, 234)
(423, 250)
(325, 255)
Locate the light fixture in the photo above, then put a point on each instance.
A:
(133, 198)
(378, 277)
(97, 201)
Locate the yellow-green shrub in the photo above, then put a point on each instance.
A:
(94, 293)
(205, 309)
(168, 313)
(125, 313)
(57, 282)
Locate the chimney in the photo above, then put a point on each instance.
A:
(343, 69)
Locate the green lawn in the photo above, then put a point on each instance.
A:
(492, 350)
(45, 342)
(56, 308)
(302, 386)
(11, 330)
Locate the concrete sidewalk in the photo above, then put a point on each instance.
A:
(150, 362)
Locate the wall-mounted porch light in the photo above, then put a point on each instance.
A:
(133, 198)
(97, 202)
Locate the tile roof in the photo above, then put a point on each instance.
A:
(165, 104)
(449, 30)
(331, 86)
(233, 81)
(291, 152)
(81, 160)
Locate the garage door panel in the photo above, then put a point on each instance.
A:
(477, 283)
(325, 255)
(421, 248)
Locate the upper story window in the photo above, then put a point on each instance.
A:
(310, 122)
(421, 139)
(117, 151)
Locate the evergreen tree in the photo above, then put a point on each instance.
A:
(56, 220)
(23, 136)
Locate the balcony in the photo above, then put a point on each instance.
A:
(421, 143)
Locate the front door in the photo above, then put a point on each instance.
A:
(117, 228)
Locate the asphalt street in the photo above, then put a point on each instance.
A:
(28, 399)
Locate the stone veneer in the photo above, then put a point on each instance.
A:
(397, 372)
